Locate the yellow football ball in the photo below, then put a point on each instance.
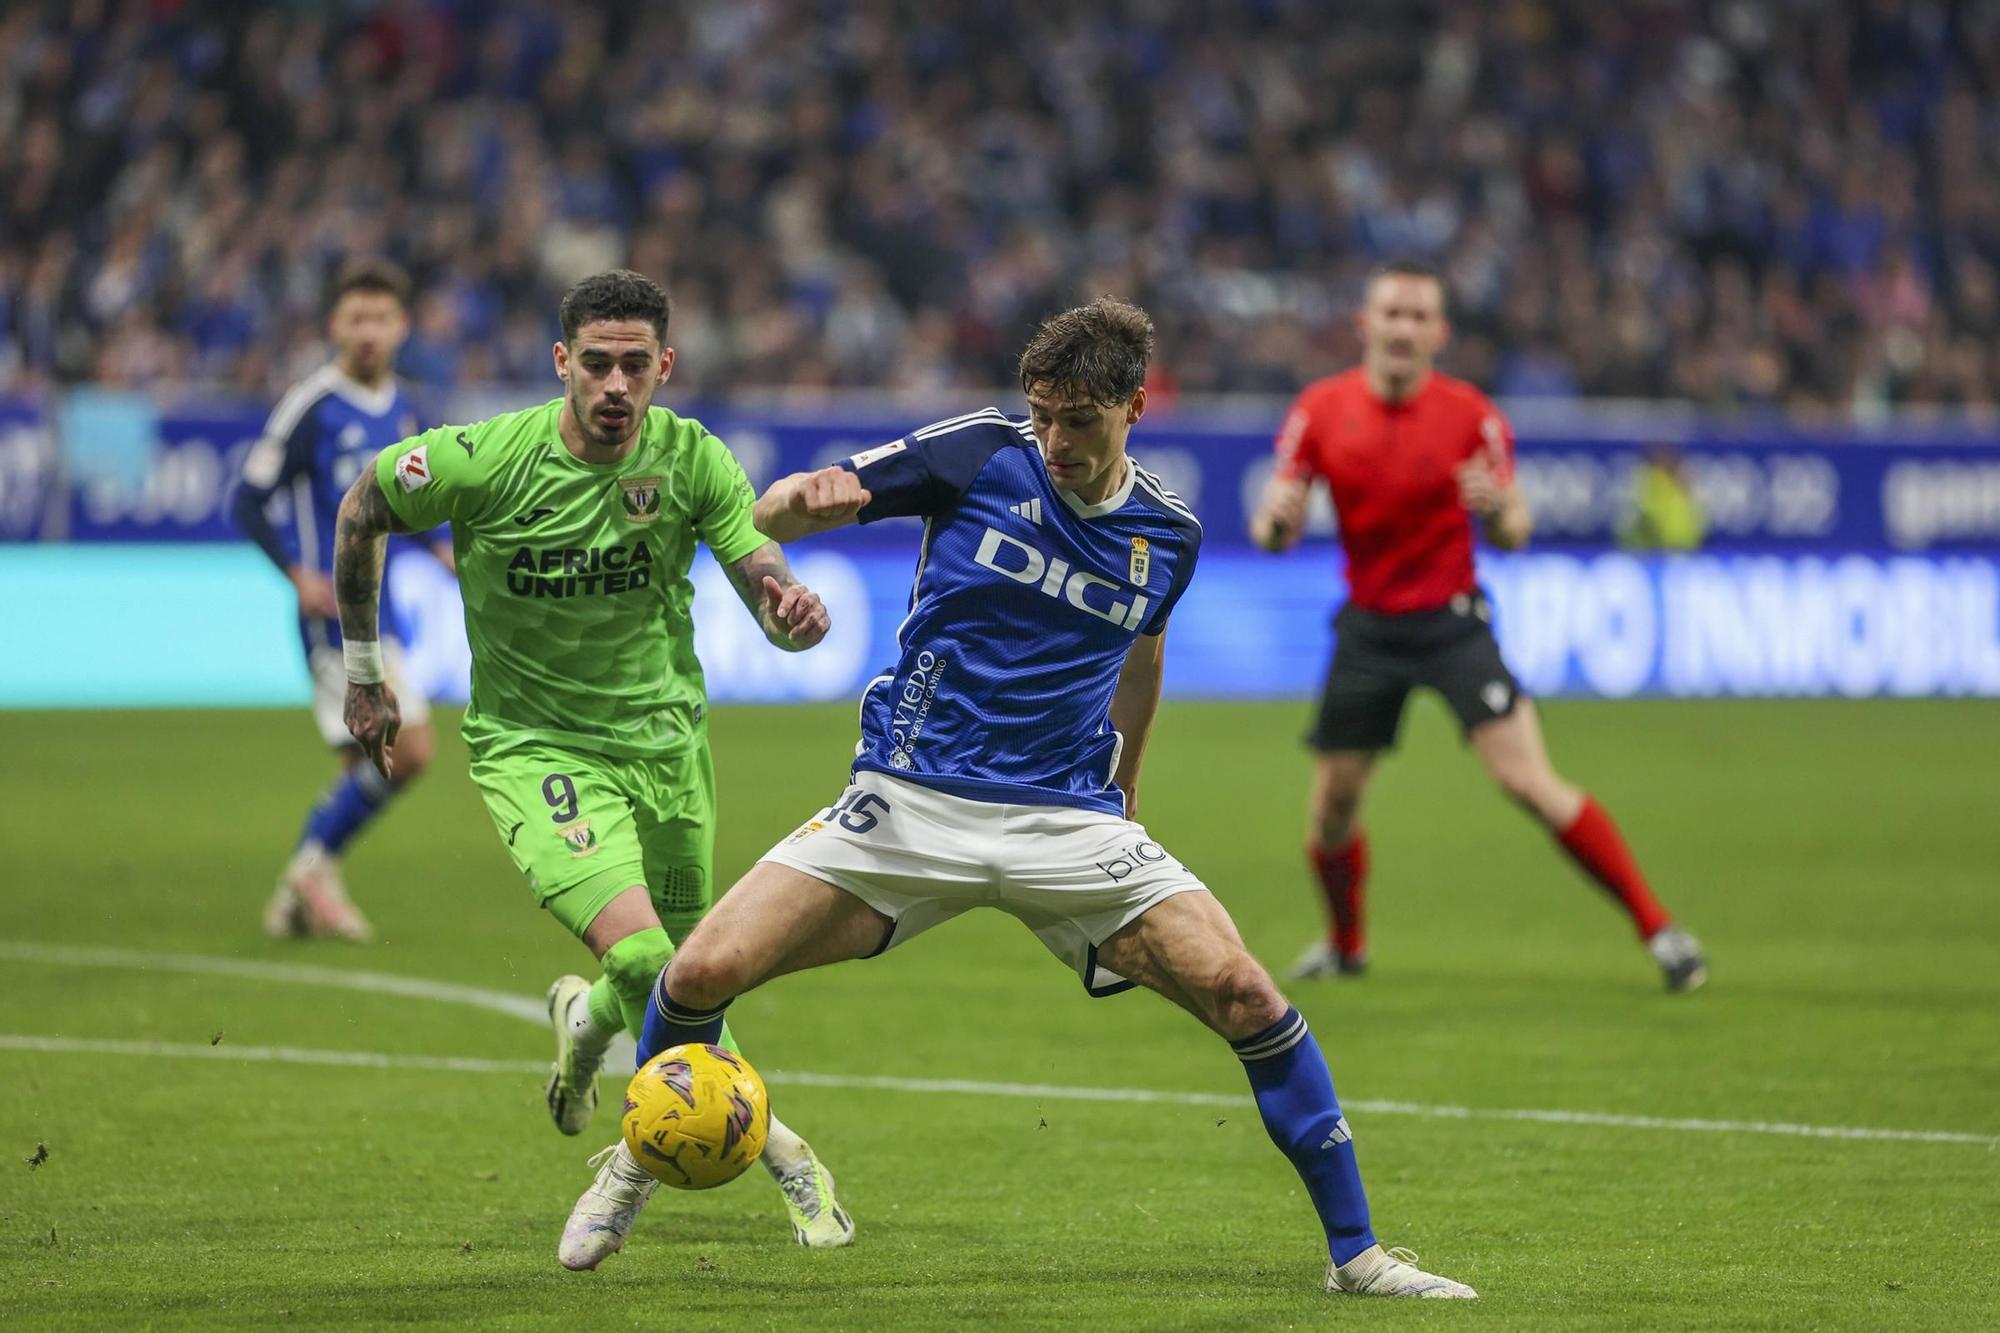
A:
(696, 1116)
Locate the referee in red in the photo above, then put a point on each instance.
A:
(1411, 456)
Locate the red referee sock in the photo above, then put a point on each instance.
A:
(1595, 843)
(1343, 878)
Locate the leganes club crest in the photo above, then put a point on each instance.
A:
(582, 842)
(642, 498)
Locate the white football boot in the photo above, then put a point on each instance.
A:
(602, 1218)
(572, 1090)
(818, 1220)
(285, 915)
(314, 876)
(1683, 966)
(1322, 960)
(1379, 1272)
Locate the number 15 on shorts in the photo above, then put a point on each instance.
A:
(857, 810)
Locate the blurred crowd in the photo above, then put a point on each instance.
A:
(1744, 203)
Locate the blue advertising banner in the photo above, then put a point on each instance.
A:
(1852, 566)
(199, 624)
(1770, 492)
(1765, 492)
(30, 470)
(179, 487)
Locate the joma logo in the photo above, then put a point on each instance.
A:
(1054, 577)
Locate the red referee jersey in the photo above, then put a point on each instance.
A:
(1393, 471)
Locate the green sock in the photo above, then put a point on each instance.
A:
(631, 969)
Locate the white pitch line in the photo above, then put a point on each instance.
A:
(533, 1010)
(1371, 1107)
(283, 1055)
(298, 974)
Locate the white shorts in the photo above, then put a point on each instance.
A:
(920, 857)
(329, 673)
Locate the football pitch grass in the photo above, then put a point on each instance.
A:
(259, 1146)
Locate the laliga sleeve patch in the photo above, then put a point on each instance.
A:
(877, 454)
(413, 470)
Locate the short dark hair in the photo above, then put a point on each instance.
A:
(619, 294)
(371, 275)
(1407, 267)
(1097, 351)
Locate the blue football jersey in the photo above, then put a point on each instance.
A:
(321, 436)
(1024, 606)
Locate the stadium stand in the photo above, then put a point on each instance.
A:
(1726, 204)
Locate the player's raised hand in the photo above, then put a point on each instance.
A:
(1480, 489)
(832, 493)
(1281, 513)
(373, 719)
(794, 617)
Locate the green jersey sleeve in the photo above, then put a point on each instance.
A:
(722, 498)
(432, 478)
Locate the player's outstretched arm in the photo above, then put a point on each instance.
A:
(789, 613)
(806, 503)
(1280, 519)
(360, 538)
(1133, 705)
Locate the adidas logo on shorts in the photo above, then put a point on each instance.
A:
(1028, 509)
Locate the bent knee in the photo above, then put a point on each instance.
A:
(701, 978)
(1335, 827)
(411, 755)
(633, 965)
(1333, 807)
(1539, 792)
(1523, 785)
(1245, 1000)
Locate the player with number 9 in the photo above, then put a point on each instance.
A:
(575, 524)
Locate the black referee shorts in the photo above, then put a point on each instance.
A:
(1378, 659)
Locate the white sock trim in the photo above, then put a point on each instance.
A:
(590, 1039)
(784, 1151)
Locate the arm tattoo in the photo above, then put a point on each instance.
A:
(747, 577)
(359, 540)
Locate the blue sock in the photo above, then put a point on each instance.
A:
(669, 1023)
(355, 797)
(1295, 1096)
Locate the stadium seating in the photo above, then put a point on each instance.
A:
(1742, 210)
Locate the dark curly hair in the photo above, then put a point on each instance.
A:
(619, 294)
(1097, 352)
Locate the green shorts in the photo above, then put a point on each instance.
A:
(584, 827)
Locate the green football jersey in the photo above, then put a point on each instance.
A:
(575, 575)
